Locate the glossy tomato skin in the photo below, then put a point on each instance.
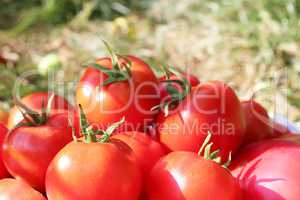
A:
(133, 98)
(258, 123)
(269, 170)
(146, 150)
(11, 189)
(211, 107)
(3, 171)
(164, 95)
(34, 101)
(92, 171)
(187, 176)
(28, 150)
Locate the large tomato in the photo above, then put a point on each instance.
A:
(133, 97)
(11, 189)
(258, 123)
(28, 149)
(35, 101)
(211, 107)
(188, 176)
(269, 170)
(93, 168)
(3, 171)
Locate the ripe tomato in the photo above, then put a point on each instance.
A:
(146, 150)
(132, 98)
(35, 101)
(269, 170)
(163, 91)
(185, 175)
(208, 108)
(3, 171)
(104, 168)
(11, 189)
(258, 123)
(28, 150)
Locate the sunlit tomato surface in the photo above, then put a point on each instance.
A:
(11, 189)
(258, 123)
(3, 171)
(211, 107)
(269, 170)
(34, 101)
(131, 98)
(164, 95)
(187, 176)
(28, 150)
(93, 171)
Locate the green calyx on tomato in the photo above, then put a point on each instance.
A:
(33, 118)
(90, 134)
(208, 155)
(116, 74)
(176, 95)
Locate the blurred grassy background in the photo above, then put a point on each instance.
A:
(253, 46)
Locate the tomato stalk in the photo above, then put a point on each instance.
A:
(175, 94)
(90, 134)
(208, 155)
(33, 118)
(116, 74)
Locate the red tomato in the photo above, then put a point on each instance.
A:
(269, 170)
(101, 170)
(3, 171)
(28, 150)
(11, 189)
(211, 107)
(258, 123)
(187, 176)
(34, 102)
(147, 151)
(132, 98)
(164, 95)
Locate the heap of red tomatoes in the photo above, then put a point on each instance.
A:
(135, 136)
